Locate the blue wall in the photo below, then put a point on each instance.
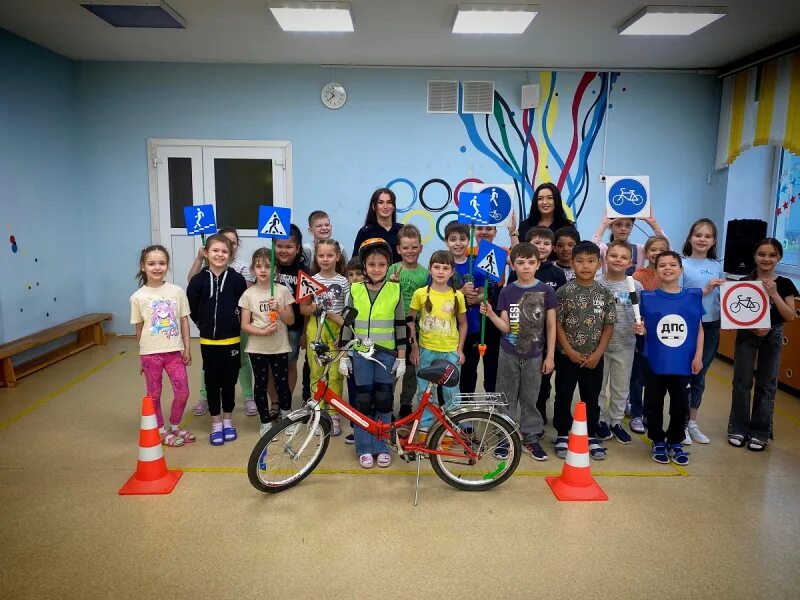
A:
(663, 125)
(45, 281)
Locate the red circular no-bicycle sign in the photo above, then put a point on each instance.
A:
(734, 315)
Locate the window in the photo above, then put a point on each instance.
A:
(787, 211)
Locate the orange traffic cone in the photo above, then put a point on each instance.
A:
(151, 476)
(575, 482)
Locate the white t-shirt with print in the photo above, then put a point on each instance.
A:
(255, 300)
(161, 310)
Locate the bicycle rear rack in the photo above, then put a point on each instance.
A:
(480, 399)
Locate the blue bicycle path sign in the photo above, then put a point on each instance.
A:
(486, 204)
(628, 196)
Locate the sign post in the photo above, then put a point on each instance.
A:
(273, 222)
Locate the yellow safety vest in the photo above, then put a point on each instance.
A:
(375, 320)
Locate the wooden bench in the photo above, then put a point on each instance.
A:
(89, 330)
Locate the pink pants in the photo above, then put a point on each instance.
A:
(172, 363)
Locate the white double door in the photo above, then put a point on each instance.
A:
(234, 177)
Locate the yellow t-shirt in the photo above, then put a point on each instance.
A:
(161, 310)
(255, 300)
(438, 329)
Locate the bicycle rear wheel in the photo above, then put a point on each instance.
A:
(280, 466)
(488, 435)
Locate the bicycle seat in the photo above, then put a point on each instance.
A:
(440, 372)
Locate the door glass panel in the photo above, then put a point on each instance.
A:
(241, 185)
(179, 170)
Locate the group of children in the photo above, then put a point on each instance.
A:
(566, 308)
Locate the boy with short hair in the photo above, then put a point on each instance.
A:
(566, 238)
(618, 359)
(584, 324)
(411, 276)
(525, 307)
(491, 333)
(320, 228)
(456, 236)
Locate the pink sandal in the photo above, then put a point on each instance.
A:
(250, 408)
(185, 435)
(168, 438)
(365, 460)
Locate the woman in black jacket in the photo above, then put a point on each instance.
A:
(381, 222)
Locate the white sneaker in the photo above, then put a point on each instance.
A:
(687, 440)
(293, 427)
(265, 427)
(697, 435)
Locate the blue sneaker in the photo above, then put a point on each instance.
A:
(501, 452)
(561, 446)
(660, 453)
(596, 450)
(677, 455)
(622, 436)
(349, 439)
(603, 431)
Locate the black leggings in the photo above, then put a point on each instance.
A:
(262, 365)
(221, 367)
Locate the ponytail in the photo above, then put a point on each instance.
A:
(428, 303)
(456, 303)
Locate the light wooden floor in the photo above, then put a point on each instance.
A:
(726, 526)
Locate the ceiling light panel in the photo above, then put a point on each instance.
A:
(671, 20)
(494, 18)
(314, 16)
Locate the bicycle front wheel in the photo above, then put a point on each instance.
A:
(277, 467)
(490, 436)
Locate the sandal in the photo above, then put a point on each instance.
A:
(229, 433)
(384, 459)
(365, 460)
(185, 435)
(168, 438)
(274, 413)
(217, 438)
(757, 445)
(736, 440)
(200, 409)
(250, 408)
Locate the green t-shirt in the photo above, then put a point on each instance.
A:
(410, 281)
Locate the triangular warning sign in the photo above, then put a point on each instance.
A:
(489, 264)
(273, 226)
(307, 286)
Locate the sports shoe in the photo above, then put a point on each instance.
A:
(677, 455)
(687, 439)
(622, 436)
(384, 460)
(660, 453)
(697, 435)
(200, 408)
(265, 427)
(366, 461)
(535, 450)
(350, 439)
(250, 408)
(561, 447)
(336, 427)
(501, 452)
(637, 426)
(291, 429)
(596, 451)
(603, 431)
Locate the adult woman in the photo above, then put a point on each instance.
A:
(547, 210)
(381, 221)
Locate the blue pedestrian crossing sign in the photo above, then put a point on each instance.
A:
(491, 260)
(486, 204)
(628, 196)
(200, 219)
(274, 222)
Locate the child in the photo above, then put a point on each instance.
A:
(621, 229)
(320, 228)
(456, 236)
(648, 277)
(355, 274)
(214, 302)
(381, 318)
(165, 344)
(411, 276)
(674, 349)
(763, 346)
(525, 306)
(565, 239)
(245, 369)
(585, 322)
(328, 267)
(701, 269)
(442, 325)
(618, 359)
(265, 318)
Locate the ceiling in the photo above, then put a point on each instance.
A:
(565, 34)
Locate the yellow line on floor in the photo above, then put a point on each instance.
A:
(778, 411)
(58, 391)
(429, 473)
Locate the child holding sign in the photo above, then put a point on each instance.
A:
(621, 229)
(763, 346)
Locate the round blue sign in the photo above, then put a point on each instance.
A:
(627, 196)
(497, 204)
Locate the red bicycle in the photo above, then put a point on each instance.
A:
(473, 446)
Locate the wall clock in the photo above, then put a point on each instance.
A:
(333, 95)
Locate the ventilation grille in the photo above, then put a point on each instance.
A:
(530, 96)
(442, 96)
(478, 97)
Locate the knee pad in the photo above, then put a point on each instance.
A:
(384, 397)
(364, 400)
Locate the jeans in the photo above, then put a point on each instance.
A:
(617, 379)
(750, 349)
(589, 382)
(426, 357)
(656, 388)
(519, 379)
(710, 347)
(371, 382)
